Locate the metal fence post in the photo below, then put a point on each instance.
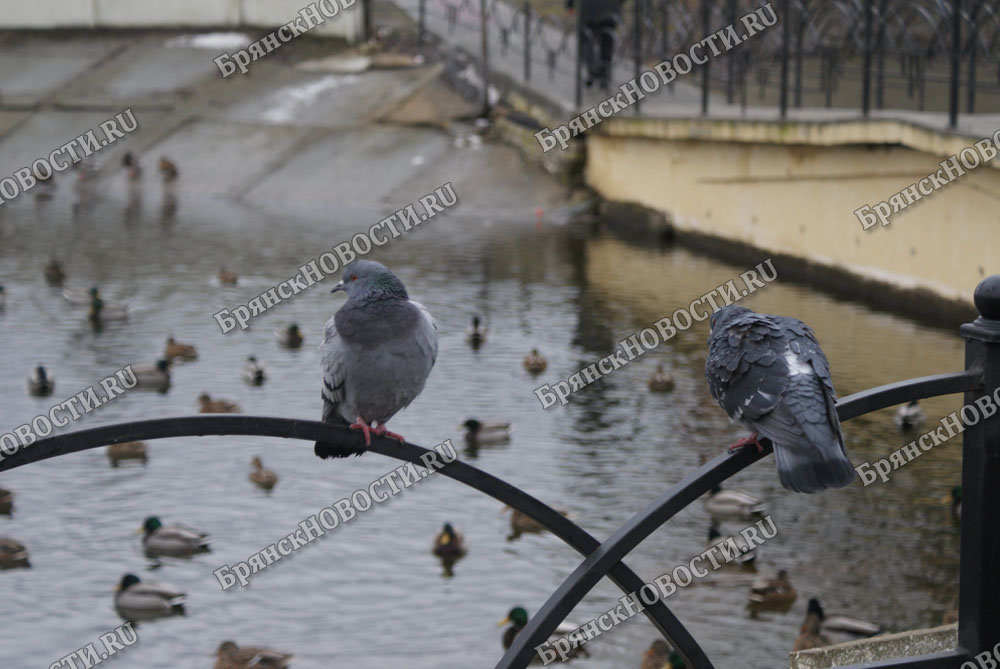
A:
(637, 56)
(527, 40)
(956, 49)
(578, 93)
(421, 13)
(785, 31)
(979, 580)
(706, 15)
(486, 57)
(867, 75)
(971, 93)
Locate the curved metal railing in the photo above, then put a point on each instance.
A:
(979, 601)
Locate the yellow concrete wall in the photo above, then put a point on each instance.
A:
(800, 199)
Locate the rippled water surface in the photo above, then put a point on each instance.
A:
(370, 594)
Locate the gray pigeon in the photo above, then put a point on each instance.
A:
(769, 373)
(377, 353)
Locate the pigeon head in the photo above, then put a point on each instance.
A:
(368, 281)
(720, 319)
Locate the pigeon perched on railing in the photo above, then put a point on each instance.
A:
(377, 352)
(769, 373)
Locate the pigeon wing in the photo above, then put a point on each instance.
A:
(332, 355)
(745, 369)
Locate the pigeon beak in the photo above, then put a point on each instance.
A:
(339, 287)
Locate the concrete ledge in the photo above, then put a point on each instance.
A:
(44, 14)
(830, 132)
(883, 647)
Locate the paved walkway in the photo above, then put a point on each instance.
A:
(681, 100)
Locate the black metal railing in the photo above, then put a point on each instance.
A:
(915, 55)
(979, 579)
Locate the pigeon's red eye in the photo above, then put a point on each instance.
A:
(354, 278)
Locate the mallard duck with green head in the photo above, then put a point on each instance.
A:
(517, 619)
(40, 384)
(173, 540)
(290, 336)
(137, 601)
(231, 656)
(153, 377)
(733, 504)
(485, 433)
(253, 372)
(476, 335)
(449, 543)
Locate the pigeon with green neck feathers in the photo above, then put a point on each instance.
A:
(377, 352)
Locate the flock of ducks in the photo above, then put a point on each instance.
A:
(535, 363)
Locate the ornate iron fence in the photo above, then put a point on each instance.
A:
(882, 54)
(979, 580)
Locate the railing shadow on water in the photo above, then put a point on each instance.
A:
(860, 54)
(979, 579)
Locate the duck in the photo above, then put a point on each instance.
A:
(841, 628)
(262, 478)
(153, 376)
(132, 167)
(479, 433)
(6, 502)
(175, 350)
(951, 615)
(535, 363)
(40, 384)
(13, 554)
(776, 592)
(127, 450)
(521, 522)
(909, 416)
(172, 541)
(733, 504)
(476, 334)
(747, 554)
(105, 311)
(517, 618)
(227, 277)
(208, 405)
(167, 169)
(136, 601)
(661, 381)
(289, 336)
(660, 655)
(810, 634)
(85, 171)
(231, 656)
(253, 372)
(54, 273)
(449, 543)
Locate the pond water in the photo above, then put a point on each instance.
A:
(370, 594)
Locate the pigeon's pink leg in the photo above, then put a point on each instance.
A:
(746, 441)
(383, 432)
(360, 424)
